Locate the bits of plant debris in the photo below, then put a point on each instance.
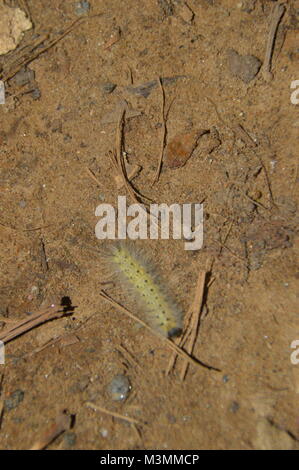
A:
(180, 148)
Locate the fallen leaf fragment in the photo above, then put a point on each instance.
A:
(180, 148)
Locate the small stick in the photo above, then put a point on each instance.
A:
(157, 175)
(39, 50)
(296, 176)
(138, 434)
(112, 413)
(23, 5)
(244, 135)
(20, 327)
(197, 307)
(62, 423)
(232, 252)
(74, 339)
(267, 179)
(1, 401)
(251, 200)
(44, 261)
(119, 159)
(182, 340)
(132, 171)
(129, 357)
(1, 412)
(192, 323)
(226, 236)
(277, 14)
(115, 37)
(93, 176)
(169, 343)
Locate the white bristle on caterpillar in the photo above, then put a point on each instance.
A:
(159, 311)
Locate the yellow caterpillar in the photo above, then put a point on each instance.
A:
(159, 310)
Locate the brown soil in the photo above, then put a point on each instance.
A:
(249, 187)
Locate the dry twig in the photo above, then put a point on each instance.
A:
(157, 175)
(192, 324)
(167, 341)
(276, 15)
(112, 413)
(118, 159)
(26, 54)
(19, 327)
(34, 47)
(23, 5)
(93, 176)
(62, 424)
(1, 400)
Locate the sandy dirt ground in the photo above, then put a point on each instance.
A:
(57, 135)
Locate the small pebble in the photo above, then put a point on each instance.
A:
(80, 385)
(166, 7)
(104, 432)
(119, 388)
(108, 87)
(24, 76)
(145, 89)
(244, 67)
(234, 407)
(81, 8)
(70, 439)
(36, 93)
(171, 419)
(14, 400)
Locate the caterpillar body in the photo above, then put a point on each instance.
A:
(159, 310)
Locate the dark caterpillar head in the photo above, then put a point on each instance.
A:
(174, 332)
